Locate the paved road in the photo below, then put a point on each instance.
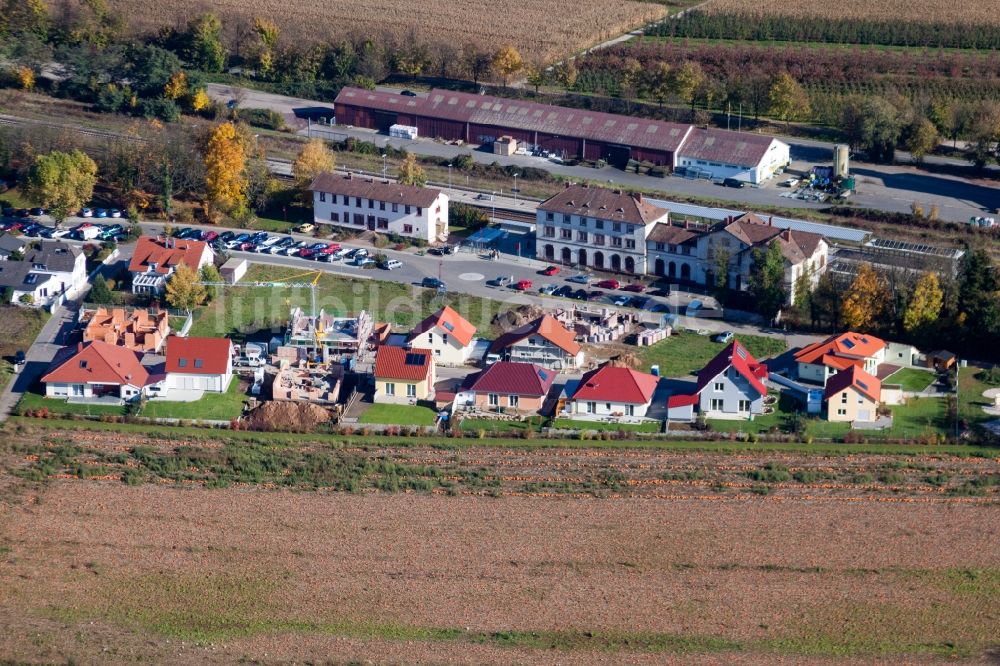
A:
(891, 188)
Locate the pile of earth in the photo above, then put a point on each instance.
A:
(287, 416)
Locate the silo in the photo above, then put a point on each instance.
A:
(841, 161)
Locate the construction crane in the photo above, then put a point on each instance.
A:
(285, 284)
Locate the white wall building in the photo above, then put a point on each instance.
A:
(752, 158)
(46, 275)
(196, 366)
(370, 204)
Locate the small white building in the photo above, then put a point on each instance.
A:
(233, 270)
(96, 369)
(384, 206)
(610, 392)
(196, 366)
(721, 154)
(447, 334)
(46, 275)
(154, 260)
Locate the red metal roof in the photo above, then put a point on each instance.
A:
(605, 204)
(737, 356)
(166, 253)
(717, 145)
(375, 189)
(616, 384)
(448, 321)
(855, 377)
(508, 378)
(402, 363)
(97, 362)
(682, 400)
(547, 327)
(198, 356)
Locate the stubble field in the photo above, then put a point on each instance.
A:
(531, 555)
(944, 11)
(528, 26)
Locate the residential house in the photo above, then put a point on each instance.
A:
(326, 337)
(447, 334)
(196, 366)
(154, 260)
(543, 341)
(731, 385)
(506, 387)
(358, 204)
(610, 392)
(139, 330)
(46, 275)
(819, 361)
(403, 375)
(596, 227)
(96, 369)
(10, 244)
(852, 395)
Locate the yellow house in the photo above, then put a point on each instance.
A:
(852, 395)
(403, 375)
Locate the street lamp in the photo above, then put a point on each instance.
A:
(493, 201)
(385, 168)
(449, 175)
(515, 188)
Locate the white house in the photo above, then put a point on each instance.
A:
(154, 260)
(196, 366)
(544, 341)
(730, 386)
(752, 158)
(610, 392)
(96, 369)
(9, 244)
(596, 227)
(46, 275)
(447, 334)
(359, 203)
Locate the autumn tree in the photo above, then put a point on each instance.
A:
(22, 17)
(924, 307)
(225, 164)
(176, 86)
(631, 74)
(507, 62)
(921, 138)
(872, 124)
(410, 171)
(184, 290)
(766, 280)
(61, 182)
(267, 31)
(788, 100)
(802, 293)
(204, 43)
(314, 158)
(865, 301)
(566, 73)
(686, 80)
(658, 81)
(535, 75)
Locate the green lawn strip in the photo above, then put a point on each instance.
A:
(971, 385)
(572, 424)
(783, 409)
(407, 415)
(910, 379)
(60, 406)
(496, 425)
(191, 433)
(918, 417)
(774, 43)
(14, 199)
(211, 406)
(688, 352)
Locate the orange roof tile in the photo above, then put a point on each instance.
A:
(848, 345)
(450, 322)
(545, 326)
(402, 363)
(97, 362)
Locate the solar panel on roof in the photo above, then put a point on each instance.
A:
(543, 375)
(651, 129)
(862, 384)
(742, 353)
(631, 127)
(849, 344)
(449, 326)
(587, 120)
(414, 359)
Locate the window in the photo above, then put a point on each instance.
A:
(407, 207)
(591, 407)
(407, 228)
(567, 219)
(598, 239)
(383, 223)
(420, 211)
(566, 233)
(381, 205)
(322, 197)
(335, 217)
(357, 202)
(494, 399)
(550, 231)
(371, 220)
(444, 338)
(616, 241)
(617, 226)
(599, 224)
(371, 203)
(358, 218)
(843, 398)
(583, 222)
(550, 217)
(629, 410)
(395, 208)
(630, 243)
(581, 236)
(390, 389)
(719, 387)
(842, 412)
(630, 228)
(346, 199)
(411, 390)
(659, 246)
(717, 404)
(744, 406)
(512, 401)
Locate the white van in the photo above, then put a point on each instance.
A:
(392, 264)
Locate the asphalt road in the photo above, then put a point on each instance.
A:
(882, 187)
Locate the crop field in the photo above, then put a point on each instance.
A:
(528, 26)
(118, 547)
(945, 11)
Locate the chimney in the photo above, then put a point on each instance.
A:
(770, 220)
(637, 196)
(786, 234)
(79, 347)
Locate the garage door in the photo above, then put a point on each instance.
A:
(864, 415)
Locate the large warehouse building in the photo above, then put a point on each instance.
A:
(591, 135)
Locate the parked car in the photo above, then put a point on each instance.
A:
(306, 252)
(100, 212)
(622, 301)
(522, 285)
(579, 294)
(636, 287)
(330, 248)
(391, 264)
(242, 237)
(432, 283)
(319, 246)
(31, 229)
(595, 296)
(734, 182)
(436, 251)
(449, 249)
(339, 253)
(61, 233)
(501, 281)
(723, 337)
(227, 236)
(408, 93)
(366, 262)
(114, 212)
(564, 291)
(608, 284)
(37, 212)
(178, 233)
(661, 292)
(305, 228)
(580, 278)
(551, 270)
(209, 236)
(548, 289)
(86, 212)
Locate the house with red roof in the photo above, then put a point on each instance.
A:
(544, 341)
(96, 369)
(154, 260)
(610, 392)
(819, 361)
(731, 385)
(195, 366)
(852, 395)
(403, 375)
(447, 334)
(506, 387)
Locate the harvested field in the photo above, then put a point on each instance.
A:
(943, 11)
(528, 26)
(866, 561)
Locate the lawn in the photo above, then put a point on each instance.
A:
(571, 424)
(535, 423)
(686, 353)
(919, 416)
(785, 406)
(240, 311)
(911, 379)
(384, 414)
(211, 406)
(14, 199)
(971, 384)
(60, 406)
(18, 329)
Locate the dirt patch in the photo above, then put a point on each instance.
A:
(280, 416)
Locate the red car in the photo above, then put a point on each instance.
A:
(637, 287)
(306, 252)
(608, 284)
(523, 285)
(209, 236)
(551, 270)
(330, 249)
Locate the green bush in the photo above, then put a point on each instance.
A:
(265, 118)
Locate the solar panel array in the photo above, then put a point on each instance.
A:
(414, 359)
(916, 248)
